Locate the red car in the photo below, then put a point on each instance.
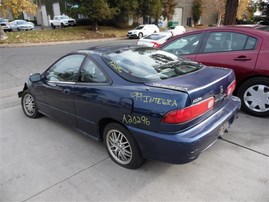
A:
(245, 50)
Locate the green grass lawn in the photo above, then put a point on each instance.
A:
(63, 34)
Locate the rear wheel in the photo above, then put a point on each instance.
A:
(254, 94)
(28, 103)
(52, 26)
(122, 147)
(140, 35)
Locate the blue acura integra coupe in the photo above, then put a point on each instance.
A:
(143, 103)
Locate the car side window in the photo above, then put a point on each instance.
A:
(91, 73)
(66, 69)
(228, 41)
(184, 45)
(251, 43)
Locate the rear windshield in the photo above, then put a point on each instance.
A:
(143, 64)
(155, 36)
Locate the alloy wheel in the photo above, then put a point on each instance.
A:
(119, 147)
(29, 104)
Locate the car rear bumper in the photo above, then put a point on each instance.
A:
(186, 146)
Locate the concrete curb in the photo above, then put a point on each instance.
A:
(57, 42)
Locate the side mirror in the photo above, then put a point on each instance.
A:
(35, 77)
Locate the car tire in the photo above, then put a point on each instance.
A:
(254, 94)
(140, 35)
(52, 26)
(28, 104)
(122, 147)
(62, 25)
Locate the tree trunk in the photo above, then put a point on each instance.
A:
(230, 12)
(219, 20)
(3, 35)
(95, 26)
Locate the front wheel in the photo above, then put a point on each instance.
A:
(28, 103)
(122, 147)
(254, 94)
(140, 35)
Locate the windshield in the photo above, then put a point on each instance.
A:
(21, 22)
(142, 64)
(64, 17)
(139, 27)
(3, 20)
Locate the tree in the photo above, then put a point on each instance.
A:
(149, 8)
(16, 7)
(215, 6)
(196, 10)
(245, 10)
(156, 9)
(230, 12)
(263, 6)
(97, 10)
(125, 8)
(169, 9)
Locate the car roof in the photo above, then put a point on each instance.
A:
(110, 48)
(102, 49)
(164, 33)
(244, 29)
(19, 21)
(232, 28)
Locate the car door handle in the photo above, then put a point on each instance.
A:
(242, 58)
(66, 91)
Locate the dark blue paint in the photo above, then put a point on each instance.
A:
(85, 106)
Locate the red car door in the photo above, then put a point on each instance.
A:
(232, 50)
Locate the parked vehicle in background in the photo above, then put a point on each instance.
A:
(22, 25)
(142, 31)
(62, 21)
(243, 49)
(155, 39)
(5, 25)
(254, 26)
(176, 30)
(144, 103)
(262, 27)
(263, 22)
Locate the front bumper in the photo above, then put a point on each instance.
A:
(132, 35)
(71, 23)
(185, 146)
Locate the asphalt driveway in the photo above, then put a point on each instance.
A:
(43, 160)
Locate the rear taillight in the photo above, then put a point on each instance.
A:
(189, 113)
(156, 45)
(231, 88)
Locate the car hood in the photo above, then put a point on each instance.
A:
(213, 81)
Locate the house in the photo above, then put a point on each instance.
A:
(183, 14)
